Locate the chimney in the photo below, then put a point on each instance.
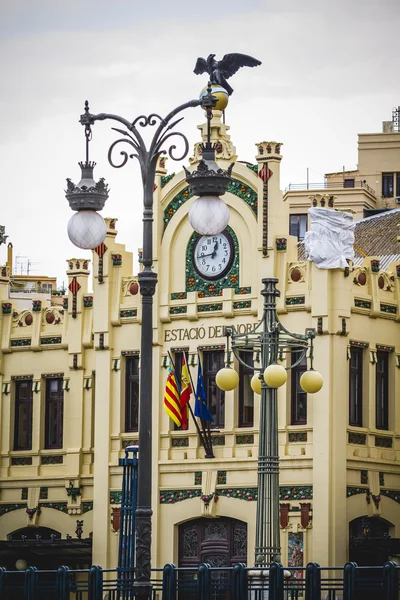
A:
(387, 126)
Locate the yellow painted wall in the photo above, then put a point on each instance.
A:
(96, 330)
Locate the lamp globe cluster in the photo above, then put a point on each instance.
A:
(274, 376)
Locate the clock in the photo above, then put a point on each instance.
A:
(213, 255)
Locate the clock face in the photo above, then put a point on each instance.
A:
(213, 255)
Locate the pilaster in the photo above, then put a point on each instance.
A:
(78, 274)
(330, 297)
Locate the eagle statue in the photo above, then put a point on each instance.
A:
(220, 70)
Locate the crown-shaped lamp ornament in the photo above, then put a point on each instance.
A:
(86, 228)
(208, 215)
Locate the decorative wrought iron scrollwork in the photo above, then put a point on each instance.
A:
(159, 144)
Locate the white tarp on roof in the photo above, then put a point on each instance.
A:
(330, 239)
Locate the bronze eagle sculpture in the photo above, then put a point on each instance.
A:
(220, 70)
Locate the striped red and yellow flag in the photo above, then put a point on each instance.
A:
(186, 391)
(172, 398)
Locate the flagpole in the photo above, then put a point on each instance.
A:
(191, 412)
(206, 430)
(207, 441)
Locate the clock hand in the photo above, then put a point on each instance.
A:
(215, 249)
(204, 255)
(212, 254)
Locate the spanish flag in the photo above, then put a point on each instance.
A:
(186, 391)
(172, 399)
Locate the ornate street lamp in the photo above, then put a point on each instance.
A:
(271, 340)
(87, 229)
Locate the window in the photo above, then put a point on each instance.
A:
(53, 432)
(397, 184)
(387, 185)
(23, 416)
(246, 395)
(355, 387)
(212, 363)
(348, 183)
(298, 226)
(131, 393)
(382, 390)
(298, 399)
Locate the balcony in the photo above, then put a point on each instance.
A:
(329, 185)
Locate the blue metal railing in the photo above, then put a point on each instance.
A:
(204, 582)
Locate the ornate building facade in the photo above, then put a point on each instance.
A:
(70, 374)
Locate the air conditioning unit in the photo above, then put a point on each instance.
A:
(397, 199)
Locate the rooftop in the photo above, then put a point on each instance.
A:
(374, 236)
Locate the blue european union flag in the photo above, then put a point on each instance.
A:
(200, 405)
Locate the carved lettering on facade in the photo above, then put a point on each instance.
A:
(199, 333)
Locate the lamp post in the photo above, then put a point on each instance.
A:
(271, 340)
(87, 229)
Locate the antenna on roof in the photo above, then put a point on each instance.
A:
(396, 119)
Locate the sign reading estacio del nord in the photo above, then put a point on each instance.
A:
(200, 333)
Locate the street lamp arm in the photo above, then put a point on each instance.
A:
(161, 135)
(146, 157)
(131, 141)
(172, 147)
(297, 336)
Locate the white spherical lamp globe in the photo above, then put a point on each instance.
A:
(209, 215)
(87, 229)
(311, 381)
(226, 379)
(21, 564)
(255, 384)
(275, 375)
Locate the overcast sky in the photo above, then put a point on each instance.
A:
(329, 71)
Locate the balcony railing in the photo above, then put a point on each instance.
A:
(204, 582)
(37, 290)
(329, 185)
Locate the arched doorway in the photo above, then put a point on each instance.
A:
(370, 545)
(45, 549)
(369, 541)
(219, 542)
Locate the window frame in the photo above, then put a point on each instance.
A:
(19, 402)
(58, 402)
(245, 375)
(387, 188)
(295, 228)
(349, 182)
(132, 380)
(211, 387)
(295, 390)
(382, 392)
(397, 184)
(356, 374)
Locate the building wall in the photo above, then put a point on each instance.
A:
(323, 462)
(377, 153)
